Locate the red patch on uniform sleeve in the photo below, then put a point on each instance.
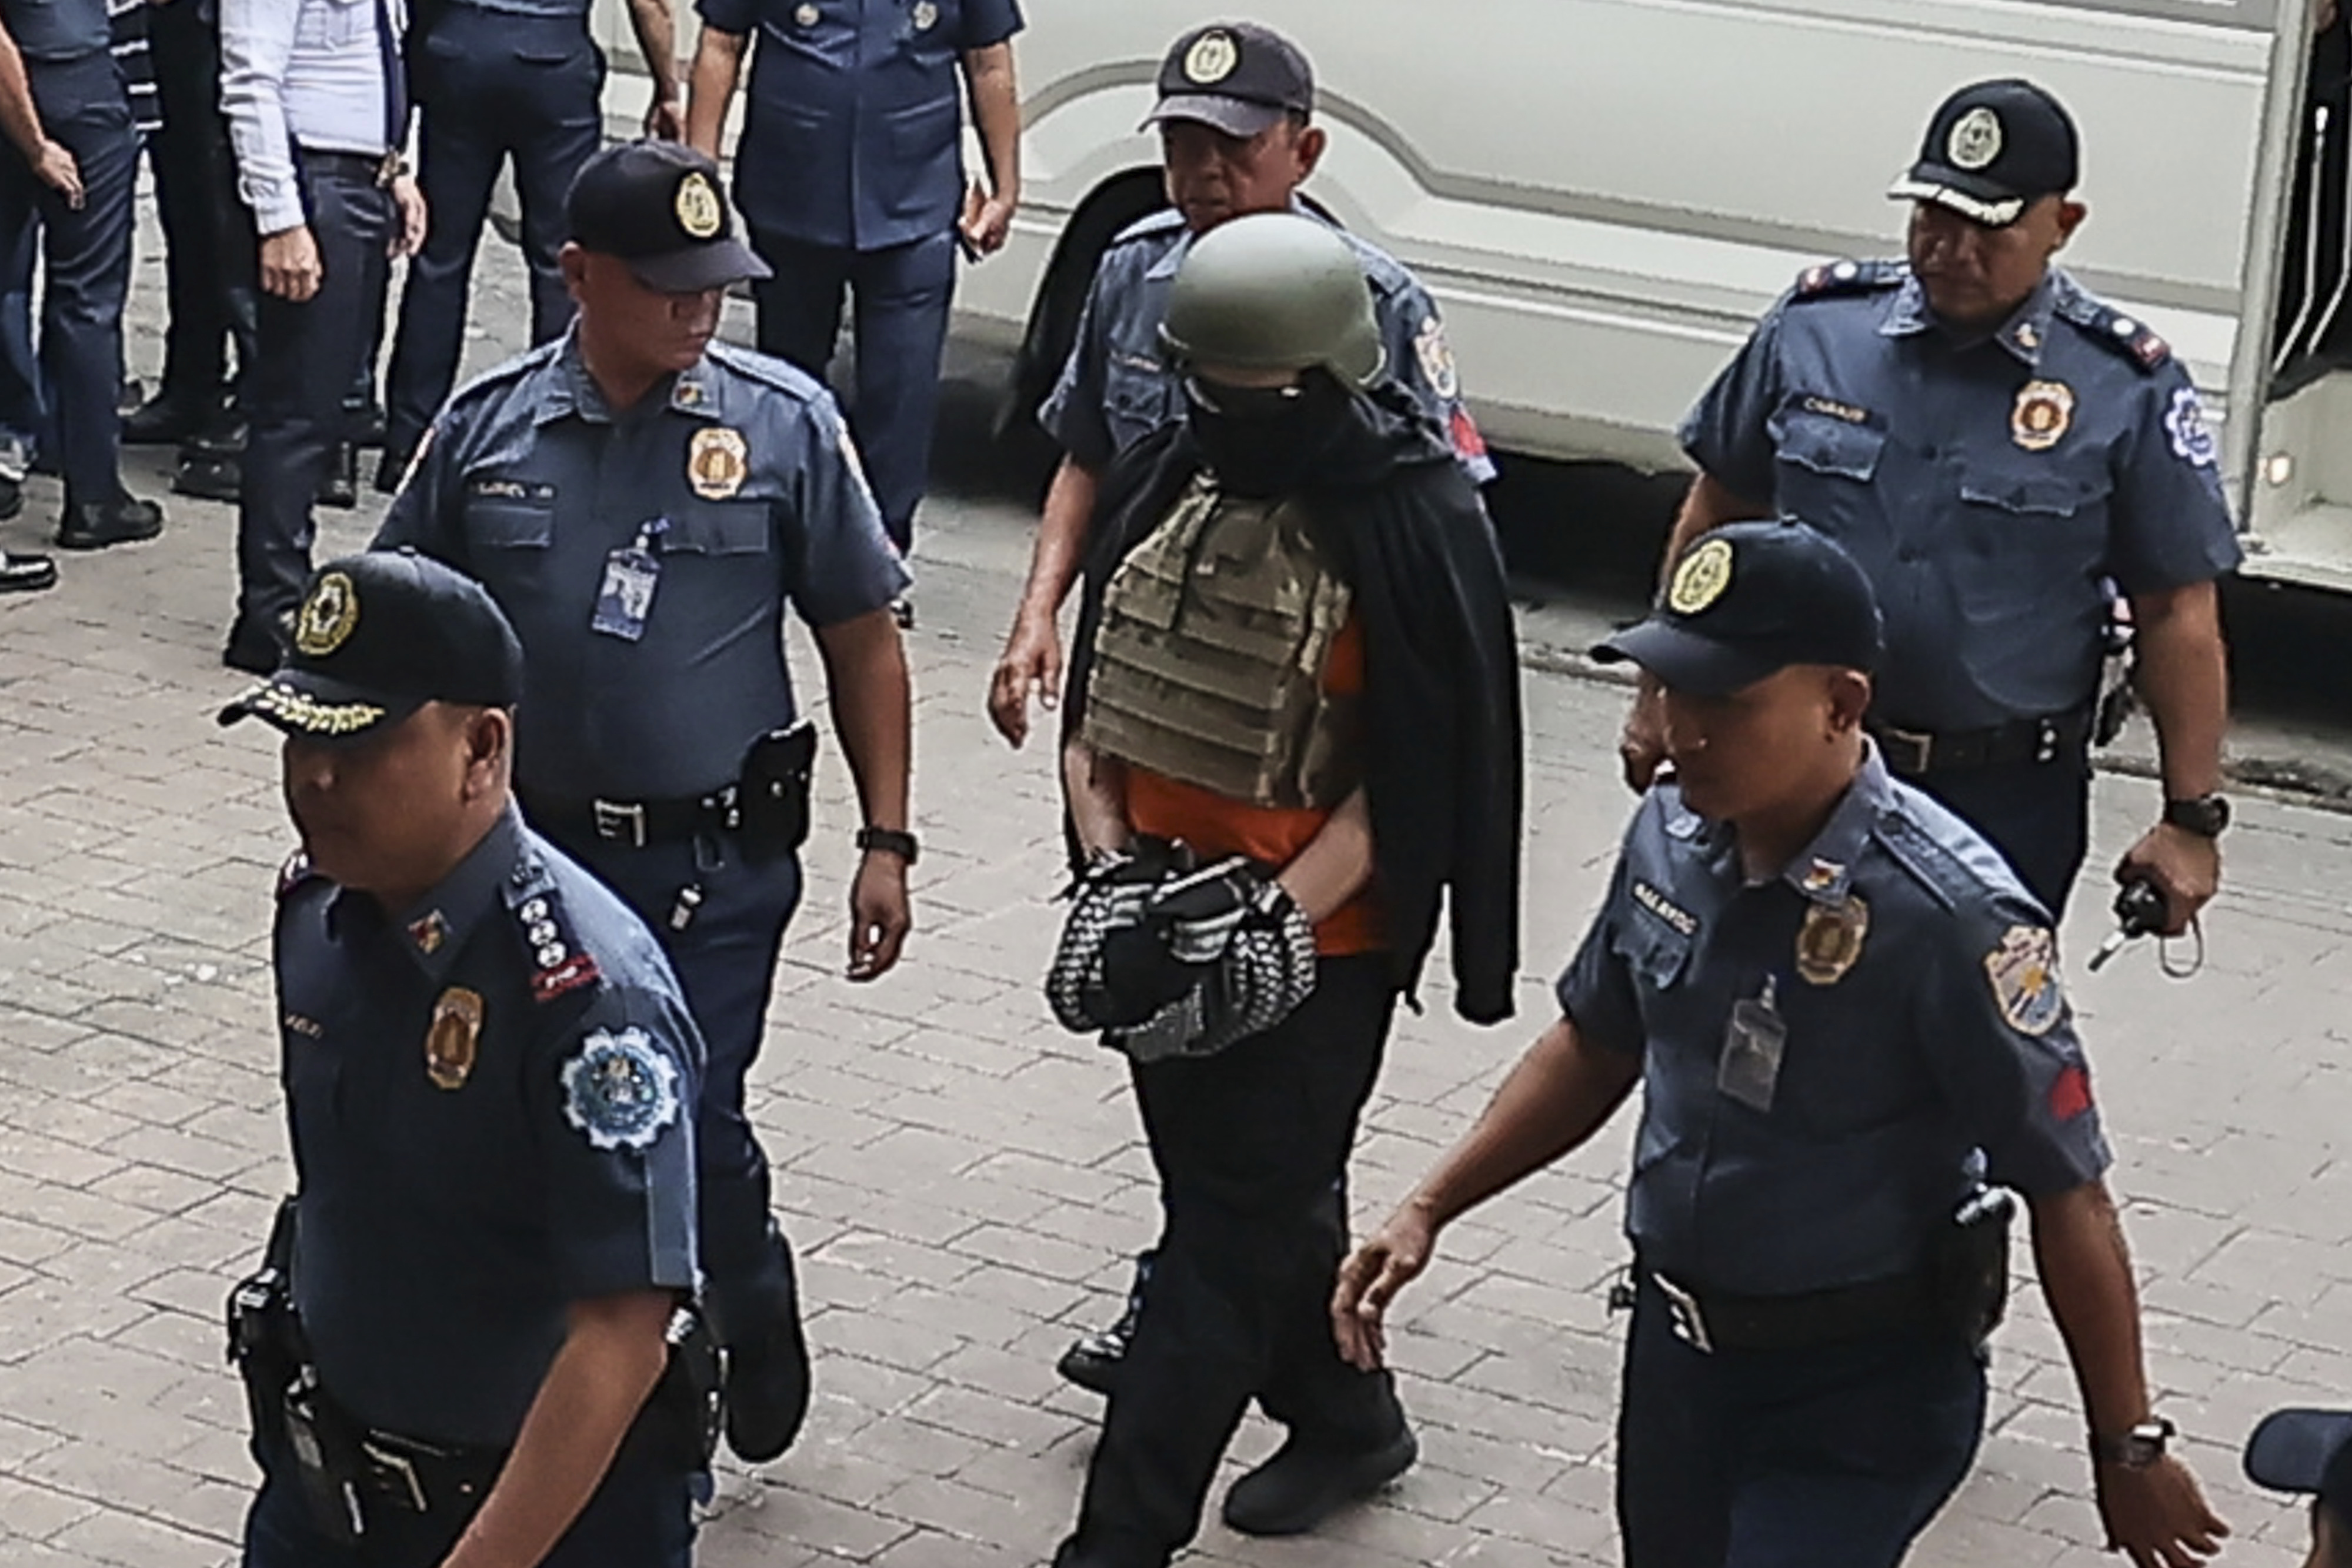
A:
(2070, 1096)
(570, 975)
(1468, 444)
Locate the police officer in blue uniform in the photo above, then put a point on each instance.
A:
(1235, 110)
(499, 79)
(69, 171)
(316, 100)
(645, 501)
(1996, 447)
(1832, 992)
(851, 158)
(2310, 1452)
(460, 1348)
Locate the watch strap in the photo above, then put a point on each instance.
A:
(890, 841)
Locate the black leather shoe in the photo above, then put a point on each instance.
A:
(390, 469)
(250, 649)
(341, 487)
(1302, 1484)
(167, 419)
(26, 573)
(1093, 1362)
(94, 525)
(367, 424)
(222, 435)
(12, 497)
(767, 1393)
(208, 478)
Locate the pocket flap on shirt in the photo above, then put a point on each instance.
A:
(2051, 495)
(720, 528)
(1829, 446)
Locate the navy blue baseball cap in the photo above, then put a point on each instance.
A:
(659, 206)
(1748, 600)
(1235, 77)
(378, 637)
(1992, 148)
(2305, 1451)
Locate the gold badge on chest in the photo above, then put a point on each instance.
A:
(718, 461)
(454, 1038)
(2044, 411)
(1830, 941)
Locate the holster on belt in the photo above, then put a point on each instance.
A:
(774, 790)
(265, 1342)
(678, 1428)
(1971, 1264)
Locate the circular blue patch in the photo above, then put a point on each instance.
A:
(620, 1091)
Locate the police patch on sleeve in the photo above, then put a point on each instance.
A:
(1437, 356)
(619, 1093)
(2024, 974)
(2192, 438)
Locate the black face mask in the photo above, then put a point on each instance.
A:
(1267, 441)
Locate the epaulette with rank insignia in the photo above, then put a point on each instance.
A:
(561, 965)
(2129, 336)
(1932, 864)
(1831, 278)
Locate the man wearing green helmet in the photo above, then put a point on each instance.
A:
(1291, 731)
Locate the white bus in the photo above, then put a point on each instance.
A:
(1603, 195)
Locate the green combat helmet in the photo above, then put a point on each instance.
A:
(1274, 292)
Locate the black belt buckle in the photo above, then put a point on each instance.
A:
(1906, 751)
(1688, 1318)
(619, 821)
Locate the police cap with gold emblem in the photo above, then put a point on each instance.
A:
(1992, 148)
(658, 206)
(1235, 77)
(379, 636)
(1748, 600)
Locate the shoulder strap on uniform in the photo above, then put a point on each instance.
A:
(504, 373)
(1831, 278)
(1947, 878)
(767, 371)
(1167, 220)
(2128, 336)
(561, 965)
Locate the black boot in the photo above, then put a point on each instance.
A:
(170, 416)
(94, 525)
(26, 573)
(1305, 1482)
(755, 1311)
(341, 487)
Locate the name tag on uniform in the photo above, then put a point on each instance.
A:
(631, 574)
(1749, 1069)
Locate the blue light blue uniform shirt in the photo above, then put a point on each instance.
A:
(58, 30)
(445, 1230)
(1947, 1032)
(1987, 487)
(1118, 386)
(530, 482)
(853, 130)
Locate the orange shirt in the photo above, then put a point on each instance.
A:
(1216, 827)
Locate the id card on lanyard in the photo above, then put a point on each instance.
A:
(632, 573)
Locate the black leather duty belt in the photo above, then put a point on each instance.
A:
(1709, 1321)
(635, 824)
(1911, 752)
(424, 1477)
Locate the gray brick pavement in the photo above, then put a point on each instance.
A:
(964, 1181)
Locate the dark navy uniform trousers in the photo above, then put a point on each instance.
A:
(2038, 814)
(726, 963)
(310, 354)
(900, 297)
(494, 86)
(208, 241)
(86, 265)
(1834, 1457)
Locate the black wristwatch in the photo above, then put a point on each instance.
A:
(2205, 817)
(890, 841)
(2137, 1449)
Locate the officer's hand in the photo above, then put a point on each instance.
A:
(2157, 1515)
(2185, 866)
(987, 221)
(1370, 1279)
(664, 121)
(408, 210)
(290, 267)
(1031, 666)
(56, 168)
(880, 917)
(1643, 745)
